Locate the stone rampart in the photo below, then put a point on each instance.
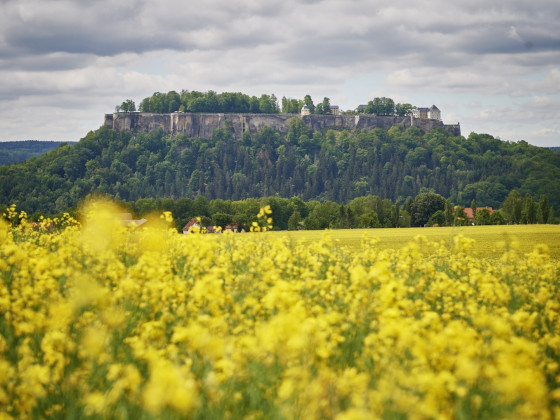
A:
(202, 124)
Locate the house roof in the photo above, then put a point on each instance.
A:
(136, 223)
(190, 224)
(468, 211)
(127, 220)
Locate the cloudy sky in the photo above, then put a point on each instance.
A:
(492, 65)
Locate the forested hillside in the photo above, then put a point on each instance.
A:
(18, 151)
(336, 166)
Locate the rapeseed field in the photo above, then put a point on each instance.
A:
(104, 321)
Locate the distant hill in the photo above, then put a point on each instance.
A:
(19, 151)
(322, 165)
(556, 149)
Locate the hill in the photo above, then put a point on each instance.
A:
(18, 151)
(329, 165)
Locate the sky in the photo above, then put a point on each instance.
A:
(492, 65)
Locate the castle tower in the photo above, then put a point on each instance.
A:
(434, 113)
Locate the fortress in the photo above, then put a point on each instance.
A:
(201, 125)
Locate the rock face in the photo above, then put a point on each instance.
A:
(201, 125)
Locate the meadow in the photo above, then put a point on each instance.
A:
(102, 321)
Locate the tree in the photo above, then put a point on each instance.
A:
(324, 107)
(497, 218)
(200, 206)
(291, 106)
(423, 206)
(126, 106)
(530, 209)
(544, 210)
(403, 109)
(460, 216)
(369, 220)
(513, 205)
(309, 102)
(173, 101)
(323, 215)
(381, 106)
(396, 213)
(268, 104)
(483, 217)
(294, 221)
(438, 218)
(448, 212)
(221, 219)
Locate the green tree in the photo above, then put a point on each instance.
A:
(126, 106)
(309, 102)
(173, 101)
(201, 206)
(530, 210)
(461, 218)
(483, 217)
(424, 206)
(544, 210)
(221, 219)
(294, 221)
(324, 107)
(369, 220)
(497, 218)
(381, 106)
(438, 218)
(448, 212)
(403, 109)
(396, 213)
(513, 206)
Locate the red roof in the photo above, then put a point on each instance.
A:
(468, 211)
(190, 224)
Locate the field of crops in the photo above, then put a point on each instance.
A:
(106, 322)
(490, 241)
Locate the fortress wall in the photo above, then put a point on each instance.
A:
(202, 124)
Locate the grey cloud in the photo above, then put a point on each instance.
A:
(316, 32)
(106, 50)
(47, 62)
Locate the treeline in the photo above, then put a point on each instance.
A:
(377, 106)
(426, 209)
(193, 101)
(336, 166)
(236, 102)
(18, 151)
(385, 106)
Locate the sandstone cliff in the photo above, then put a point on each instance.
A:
(201, 124)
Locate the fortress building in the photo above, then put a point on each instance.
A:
(432, 113)
(201, 125)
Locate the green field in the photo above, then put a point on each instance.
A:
(490, 240)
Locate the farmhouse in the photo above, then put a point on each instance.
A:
(470, 215)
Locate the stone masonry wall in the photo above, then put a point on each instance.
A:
(202, 124)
